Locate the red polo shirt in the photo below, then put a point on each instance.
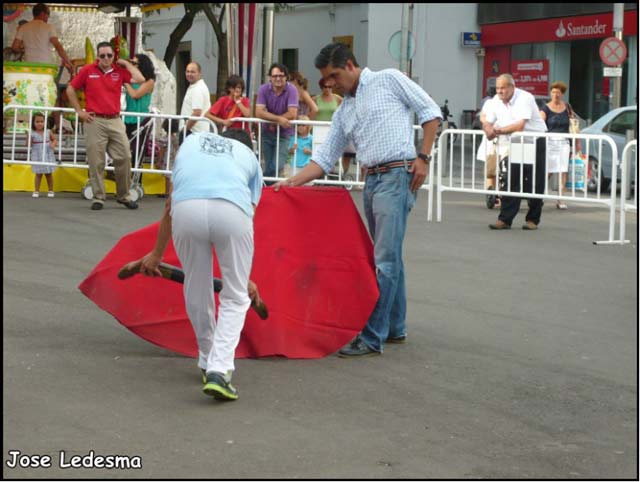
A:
(101, 89)
(225, 108)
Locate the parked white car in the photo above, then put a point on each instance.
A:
(614, 124)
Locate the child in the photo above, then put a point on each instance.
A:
(37, 138)
(303, 146)
(163, 142)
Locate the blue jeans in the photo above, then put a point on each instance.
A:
(387, 202)
(269, 142)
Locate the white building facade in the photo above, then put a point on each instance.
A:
(444, 68)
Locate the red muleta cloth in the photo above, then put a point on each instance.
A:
(313, 264)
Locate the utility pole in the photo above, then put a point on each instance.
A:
(404, 39)
(268, 39)
(618, 22)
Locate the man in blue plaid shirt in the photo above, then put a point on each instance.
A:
(377, 116)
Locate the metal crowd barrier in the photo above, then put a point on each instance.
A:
(68, 144)
(629, 159)
(453, 164)
(337, 177)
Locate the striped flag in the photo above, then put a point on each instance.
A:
(244, 23)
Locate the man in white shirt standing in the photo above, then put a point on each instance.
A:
(37, 37)
(515, 110)
(196, 101)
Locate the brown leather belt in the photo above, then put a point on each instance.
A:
(387, 166)
(106, 116)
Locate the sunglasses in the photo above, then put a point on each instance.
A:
(102, 56)
(279, 76)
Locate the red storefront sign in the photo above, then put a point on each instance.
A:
(563, 29)
(531, 75)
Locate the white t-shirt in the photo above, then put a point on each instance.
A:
(197, 97)
(521, 106)
(36, 37)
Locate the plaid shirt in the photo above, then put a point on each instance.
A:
(378, 120)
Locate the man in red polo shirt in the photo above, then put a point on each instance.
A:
(103, 127)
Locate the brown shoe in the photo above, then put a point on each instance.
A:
(529, 226)
(500, 225)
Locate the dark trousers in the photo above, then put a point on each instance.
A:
(510, 205)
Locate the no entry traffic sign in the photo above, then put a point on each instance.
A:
(613, 51)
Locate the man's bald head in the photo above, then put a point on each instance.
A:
(193, 73)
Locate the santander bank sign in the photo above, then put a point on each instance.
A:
(583, 30)
(565, 29)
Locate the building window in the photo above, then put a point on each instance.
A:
(289, 58)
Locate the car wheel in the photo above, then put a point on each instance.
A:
(595, 173)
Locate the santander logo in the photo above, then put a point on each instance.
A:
(596, 28)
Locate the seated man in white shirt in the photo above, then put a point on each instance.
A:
(37, 37)
(515, 110)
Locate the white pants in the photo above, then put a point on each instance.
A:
(198, 226)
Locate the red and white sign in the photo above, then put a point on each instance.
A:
(613, 51)
(563, 29)
(531, 75)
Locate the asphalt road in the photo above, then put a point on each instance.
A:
(521, 362)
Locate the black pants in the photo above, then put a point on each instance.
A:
(510, 205)
(131, 129)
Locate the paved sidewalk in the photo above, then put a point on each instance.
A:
(521, 362)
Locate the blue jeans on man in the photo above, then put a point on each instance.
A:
(387, 203)
(269, 144)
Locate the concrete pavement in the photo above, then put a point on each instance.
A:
(521, 362)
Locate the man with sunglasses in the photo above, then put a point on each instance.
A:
(103, 127)
(277, 102)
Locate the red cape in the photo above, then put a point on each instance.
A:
(313, 264)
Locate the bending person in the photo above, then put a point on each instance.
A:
(217, 183)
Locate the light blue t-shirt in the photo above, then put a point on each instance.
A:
(302, 159)
(209, 166)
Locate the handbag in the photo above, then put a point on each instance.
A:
(574, 125)
(492, 159)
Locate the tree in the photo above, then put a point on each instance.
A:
(186, 22)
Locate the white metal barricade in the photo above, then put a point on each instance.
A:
(11, 154)
(338, 178)
(70, 151)
(453, 166)
(70, 148)
(629, 160)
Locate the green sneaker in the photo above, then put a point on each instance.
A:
(204, 375)
(220, 389)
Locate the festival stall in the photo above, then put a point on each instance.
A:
(38, 84)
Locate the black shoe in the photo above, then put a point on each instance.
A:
(129, 204)
(96, 206)
(490, 199)
(397, 340)
(357, 348)
(219, 388)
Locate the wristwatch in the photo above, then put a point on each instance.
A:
(425, 157)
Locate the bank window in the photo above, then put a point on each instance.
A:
(624, 122)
